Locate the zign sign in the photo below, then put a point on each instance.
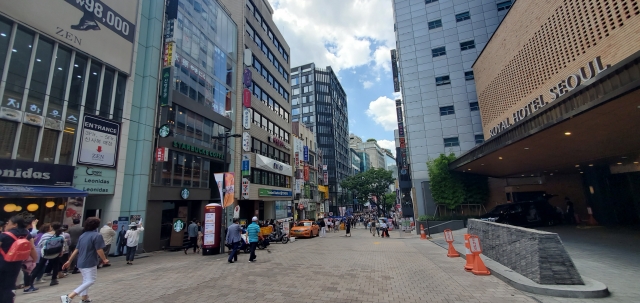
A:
(560, 89)
(99, 142)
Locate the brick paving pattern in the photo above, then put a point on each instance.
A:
(333, 269)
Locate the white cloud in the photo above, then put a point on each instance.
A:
(391, 145)
(383, 112)
(367, 84)
(342, 34)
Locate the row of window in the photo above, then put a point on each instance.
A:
(442, 51)
(305, 99)
(449, 110)
(306, 89)
(193, 128)
(185, 170)
(206, 91)
(267, 52)
(444, 80)
(268, 101)
(501, 6)
(266, 28)
(266, 124)
(303, 79)
(454, 141)
(262, 148)
(267, 76)
(259, 176)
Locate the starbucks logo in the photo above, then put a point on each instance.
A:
(184, 193)
(178, 226)
(164, 131)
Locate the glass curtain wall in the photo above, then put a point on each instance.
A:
(46, 90)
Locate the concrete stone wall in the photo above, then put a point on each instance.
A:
(537, 255)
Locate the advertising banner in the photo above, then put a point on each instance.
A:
(162, 154)
(271, 165)
(74, 210)
(103, 28)
(95, 180)
(212, 227)
(325, 178)
(35, 173)
(220, 182)
(229, 185)
(394, 71)
(306, 172)
(99, 142)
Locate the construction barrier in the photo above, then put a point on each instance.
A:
(423, 236)
(478, 266)
(468, 254)
(448, 236)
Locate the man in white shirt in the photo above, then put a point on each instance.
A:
(385, 231)
(108, 235)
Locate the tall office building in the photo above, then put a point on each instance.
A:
(319, 101)
(437, 42)
(373, 151)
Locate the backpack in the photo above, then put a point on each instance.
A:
(20, 250)
(53, 247)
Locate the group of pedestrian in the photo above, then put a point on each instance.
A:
(234, 239)
(194, 231)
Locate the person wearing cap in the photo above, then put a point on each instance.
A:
(108, 234)
(132, 237)
(254, 233)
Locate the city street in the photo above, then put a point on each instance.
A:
(332, 269)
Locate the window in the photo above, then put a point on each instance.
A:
(462, 17)
(479, 139)
(467, 45)
(295, 111)
(429, 1)
(439, 51)
(435, 24)
(294, 81)
(504, 5)
(451, 142)
(473, 106)
(447, 110)
(443, 80)
(468, 75)
(296, 91)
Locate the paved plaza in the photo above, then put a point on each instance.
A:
(332, 269)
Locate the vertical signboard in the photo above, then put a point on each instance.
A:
(246, 118)
(306, 172)
(325, 178)
(99, 142)
(246, 77)
(229, 186)
(165, 87)
(168, 54)
(212, 228)
(305, 152)
(162, 154)
(394, 71)
(246, 141)
(245, 188)
(246, 98)
(246, 165)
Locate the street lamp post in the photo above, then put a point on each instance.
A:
(225, 147)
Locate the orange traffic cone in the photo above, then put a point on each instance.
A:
(478, 267)
(452, 251)
(470, 257)
(423, 236)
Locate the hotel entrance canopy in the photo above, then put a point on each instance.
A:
(595, 124)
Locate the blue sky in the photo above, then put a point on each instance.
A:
(354, 37)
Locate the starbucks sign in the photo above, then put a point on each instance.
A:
(178, 225)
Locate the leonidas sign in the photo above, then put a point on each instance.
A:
(564, 86)
(102, 28)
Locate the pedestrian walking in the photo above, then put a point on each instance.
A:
(234, 239)
(51, 246)
(323, 231)
(108, 235)
(192, 231)
(132, 236)
(385, 229)
(16, 246)
(571, 217)
(200, 239)
(253, 232)
(329, 225)
(88, 250)
(75, 231)
(377, 229)
(347, 228)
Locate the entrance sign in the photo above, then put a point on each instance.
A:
(99, 142)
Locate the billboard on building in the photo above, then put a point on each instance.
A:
(104, 29)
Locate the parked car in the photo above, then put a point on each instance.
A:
(305, 228)
(525, 214)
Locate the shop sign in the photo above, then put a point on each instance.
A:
(169, 29)
(168, 55)
(178, 225)
(246, 78)
(165, 88)
(35, 173)
(278, 142)
(324, 167)
(325, 178)
(572, 82)
(246, 118)
(306, 172)
(95, 180)
(162, 154)
(246, 165)
(197, 150)
(298, 186)
(245, 188)
(164, 131)
(246, 141)
(305, 153)
(271, 165)
(264, 192)
(400, 129)
(246, 98)
(394, 71)
(99, 141)
(307, 191)
(184, 193)
(247, 57)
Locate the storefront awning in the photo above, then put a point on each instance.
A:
(21, 191)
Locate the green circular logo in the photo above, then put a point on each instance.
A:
(184, 193)
(164, 131)
(178, 226)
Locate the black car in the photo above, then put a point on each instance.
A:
(525, 214)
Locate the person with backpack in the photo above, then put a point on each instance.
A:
(16, 246)
(51, 247)
(88, 249)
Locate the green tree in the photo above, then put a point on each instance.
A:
(373, 182)
(389, 200)
(452, 188)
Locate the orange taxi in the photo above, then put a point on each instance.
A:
(305, 228)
